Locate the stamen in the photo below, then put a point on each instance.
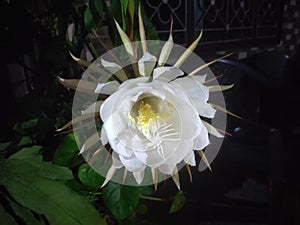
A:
(146, 117)
(168, 135)
(161, 152)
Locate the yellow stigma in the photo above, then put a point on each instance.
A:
(146, 116)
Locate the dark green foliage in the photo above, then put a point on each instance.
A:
(177, 202)
(67, 152)
(39, 186)
(89, 177)
(121, 200)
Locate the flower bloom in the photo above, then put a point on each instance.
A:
(153, 120)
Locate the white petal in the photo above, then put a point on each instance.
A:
(125, 39)
(198, 94)
(178, 155)
(116, 141)
(167, 73)
(190, 158)
(132, 164)
(106, 109)
(199, 78)
(92, 140)
(212, 130)
(167, 168)
(107, 88)
(115, 69)
(139, 176)
(116, 161)
(104, 139)
(109, 175)
(193, 88)
(111, 66)
(70, 32)
(154, 156)
(175, 177)
(131, 83)
(146, 64)
(93, 108)
(214, 88)
(165, 51)
(204, 109)
(202, 140)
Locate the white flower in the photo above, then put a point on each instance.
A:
(156, 123)
(150, 121)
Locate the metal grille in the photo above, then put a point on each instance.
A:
(160, 13)
(222, 21)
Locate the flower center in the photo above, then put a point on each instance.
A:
(146, 116)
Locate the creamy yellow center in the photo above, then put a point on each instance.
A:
(146, 116)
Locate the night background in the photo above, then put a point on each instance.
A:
(255, 177)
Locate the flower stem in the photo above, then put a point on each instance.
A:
(151, 198)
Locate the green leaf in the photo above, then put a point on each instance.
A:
(29, 124)
(147, 190)
(78, 187)
(99, 7)
(33, 165)
(124, 6)
(141, 209)
(25, 140)
(121, 200)
(39, 186)
(88, 19)
(115, 10)
(24, 213)
(4, 145)
(6, 219)
(131, 7)
(89, 177)
(67, 152)
(177, 202)
(93, 14)
(142, 31)
(57, 202)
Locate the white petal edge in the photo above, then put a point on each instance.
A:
(203, 108)
(167, 73)
(109, 175)
(92, 140)
(212, 130)
(111, 66)
(132, 164)
(199, 78)
(139, 176)
(146, 64)
(107, 88)
(202, 140)
(175, 177)
(190, 158)
(93, 108)
(104, 138)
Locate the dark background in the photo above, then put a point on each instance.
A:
(255, 178)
